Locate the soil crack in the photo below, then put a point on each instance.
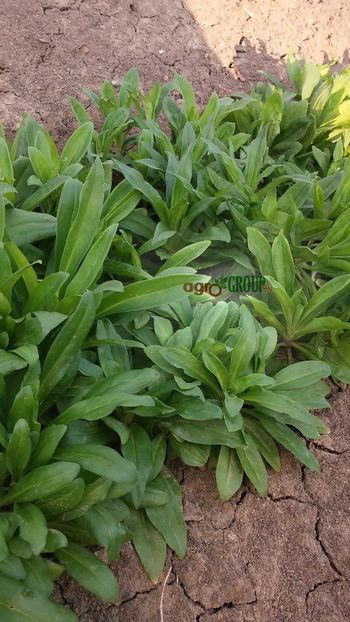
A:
(324, 550)
(333, 452)
(319, 584)
(289, 498)
(194, 602)
(226, 606)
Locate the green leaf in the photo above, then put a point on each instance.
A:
(329, 292)
(260, 248)
(47, 444)
(120, 203)
(108, 532)
(39, 196)
(38, 578)
(153, 496)
(283, 263)
(25, 270)
(286, 302)
(13, 567)
(91, 266)
(41, 482)
(163, 329)
(55, 540)
(242, 353)
(264, 443)
(33, 529)
(64, 499)
(320, 325)
(89, 571)
(148, 294)
(40, 164)
(301, 375)
(85, 222)
(278, 402)
(26, 228)
(213, 321)
(49, 320)
(79, 110)
(118, 427)
(229, 473)
(137, 182)
(255, 157)
(44, 292)
(251, 380)
(253, 465)
(190, 453)
(192, 408)
(158, 455)
(216, 367)
(111, 357)
(284, 435)
(138, 450)
(4, 549)
(20, 547)
(323, 162)
(186, 255)
(232, 416)
(27, 352)
(213, 433)
(149, 544)
(94, 493)
(66, 210)
(310, 77)
(6, 169)
(3, 437)
(272, 114)
(77, 145)
(18, 604)
(189, 101)
(168, 519)
(262, 310)
(23, 407)
(99, 407)
(67, 344)
(131, 381)
(18, 449)
(159, 239)
(103, 461)
(190, 365)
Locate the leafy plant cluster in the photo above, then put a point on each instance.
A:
(110, 368)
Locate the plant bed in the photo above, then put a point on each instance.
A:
(116, 355)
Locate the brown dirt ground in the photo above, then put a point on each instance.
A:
(278, 559)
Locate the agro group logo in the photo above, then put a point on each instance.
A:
(214, 289)
(234, 283)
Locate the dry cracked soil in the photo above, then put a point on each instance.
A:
(286, 557)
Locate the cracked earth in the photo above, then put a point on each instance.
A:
(284, 558)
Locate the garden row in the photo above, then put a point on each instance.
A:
(115, 358)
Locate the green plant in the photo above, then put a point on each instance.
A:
(301, 304)
(217, 368)
(109, 368)
(63, 485)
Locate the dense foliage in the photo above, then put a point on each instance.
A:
(110, 367)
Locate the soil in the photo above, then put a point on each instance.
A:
(51, 49)
(284, 558)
